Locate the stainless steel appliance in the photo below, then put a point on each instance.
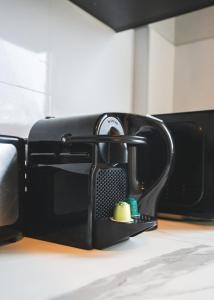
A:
(12, 157)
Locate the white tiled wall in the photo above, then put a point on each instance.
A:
(176, 59)
(160, 74)
(154, 80)
(24, 93)
(55, 59)
(194, 73)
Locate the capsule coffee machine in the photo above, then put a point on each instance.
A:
(79, 168)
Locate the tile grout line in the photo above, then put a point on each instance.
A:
(23, 87)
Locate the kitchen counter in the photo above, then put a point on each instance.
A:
(174, 262)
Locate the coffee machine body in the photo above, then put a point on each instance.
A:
(79, 168)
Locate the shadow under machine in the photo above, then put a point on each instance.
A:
(79, 168)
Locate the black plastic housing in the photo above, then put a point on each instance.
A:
(78, 168)
(189, 192)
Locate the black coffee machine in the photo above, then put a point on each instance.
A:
(80, 167)
(12, 161)
(189, 193)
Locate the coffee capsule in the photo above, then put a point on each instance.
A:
(122, 212)
(134, 207)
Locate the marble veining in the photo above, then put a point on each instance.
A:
(173, 276)
(175, 262)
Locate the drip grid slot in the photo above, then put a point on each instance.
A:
(111, 187)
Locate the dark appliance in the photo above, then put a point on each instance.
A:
(12, 158)
(189, 192)
(80, 167)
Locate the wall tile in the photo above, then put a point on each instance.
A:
(22, 67)
(20, 109)
(24, 27)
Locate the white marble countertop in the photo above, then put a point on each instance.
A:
(174, 262)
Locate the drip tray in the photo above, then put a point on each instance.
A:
(108, 232)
